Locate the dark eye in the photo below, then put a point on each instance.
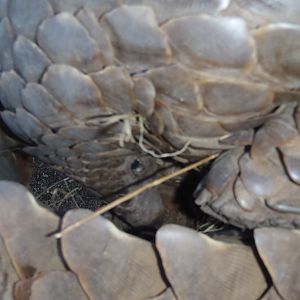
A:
(137, 167)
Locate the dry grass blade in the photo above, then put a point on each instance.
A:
(133, 194)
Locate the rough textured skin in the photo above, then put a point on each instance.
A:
(206, 73)
(102, 262)
(261, 186)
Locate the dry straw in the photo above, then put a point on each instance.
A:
(133, 194)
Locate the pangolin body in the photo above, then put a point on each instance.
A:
(93, 86)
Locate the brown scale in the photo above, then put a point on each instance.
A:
(205, 76)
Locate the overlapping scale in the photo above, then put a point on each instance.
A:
(207, 74)
(26, 16)
(278, 52)
(128, 25)
(30, 61)
(133, 259)
(73, 46)
(104, 262)
(11, 86)
(277, 249)
(51, 285)
(266, 178)
(20, 205)
(199, 41)
(234, 271)
(6, 38)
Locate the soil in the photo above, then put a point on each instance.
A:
(59, 192)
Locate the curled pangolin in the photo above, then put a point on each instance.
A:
(104, 89)
(203, 76)
(106, 263)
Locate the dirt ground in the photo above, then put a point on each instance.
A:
(59, 192)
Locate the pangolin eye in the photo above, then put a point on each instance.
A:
(137, 167)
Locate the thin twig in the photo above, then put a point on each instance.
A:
(133, 194)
